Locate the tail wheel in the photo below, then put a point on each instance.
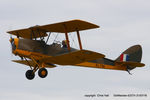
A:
(42, 72)
(30, 74)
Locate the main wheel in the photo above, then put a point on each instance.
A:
(30, 74)
(42, 72)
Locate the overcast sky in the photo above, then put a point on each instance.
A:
(123, 23)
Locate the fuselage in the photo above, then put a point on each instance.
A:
(39, 49)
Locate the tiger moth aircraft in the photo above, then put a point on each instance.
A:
(36, 53)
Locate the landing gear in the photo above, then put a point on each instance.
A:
(30, 74)
(42, 72)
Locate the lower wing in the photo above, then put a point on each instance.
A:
(73, 58)
(32, 64)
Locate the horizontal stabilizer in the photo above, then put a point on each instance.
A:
(32, 64)
(73, 58)
(130, 63)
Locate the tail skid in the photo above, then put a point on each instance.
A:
(128, 71)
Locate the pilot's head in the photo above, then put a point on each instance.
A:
(64, 43)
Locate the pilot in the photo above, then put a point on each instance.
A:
(64, 43)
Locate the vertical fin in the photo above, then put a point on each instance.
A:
(133, 53)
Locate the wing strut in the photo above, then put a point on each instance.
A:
(79, 40)
(48, 37)
(28, 62)
(67, 39)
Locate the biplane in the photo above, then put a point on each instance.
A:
(34, 51)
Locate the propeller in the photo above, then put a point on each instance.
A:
(10, 40)
(12, 47)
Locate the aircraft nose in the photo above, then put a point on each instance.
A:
(11, 40)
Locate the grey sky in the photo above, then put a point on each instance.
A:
(123, 23)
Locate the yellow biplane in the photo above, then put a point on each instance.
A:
(38, 55)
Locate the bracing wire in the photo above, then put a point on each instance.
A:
(55, 37)
(73, 41)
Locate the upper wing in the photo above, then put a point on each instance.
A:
(69, 26)
(61, 27)
(73, 58)
(33, 32)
